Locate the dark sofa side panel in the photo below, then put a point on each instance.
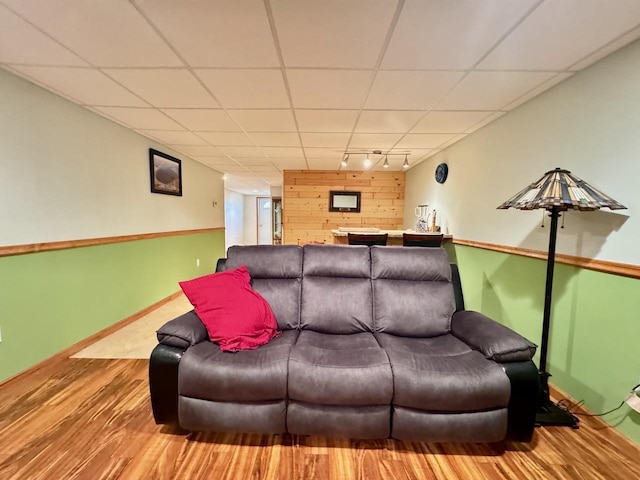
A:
(163, 383)
(523, 403)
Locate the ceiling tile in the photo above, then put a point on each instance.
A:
(340, 89)
(215, 161)
(412, 155)
(455, 139)
(22, 43)
(264, 120)
(203, 119)
(163, 87)
(290, 163)
(216, 33)
(263, 169)
(491, 90)
(325, 153)
(323, 164)
(449, 122)
(374, 141)
(226, 138)
(424, 140)
(387, 121)
(332, 33)
(538, 90)
(251, 161)
(326, 120)
(254, 152)
(409, 90)
(335, 140)
(240, 88)
(85, 85)
(101, 31)
(174, 138)
(140, 118)
(275, 139)
(572, 30)
(620, 42)
(484, 122)
(198, 150)
(283, 152)
(450, 35)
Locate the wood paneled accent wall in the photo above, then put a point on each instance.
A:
(305, 203)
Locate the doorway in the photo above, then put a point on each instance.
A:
(264, 220)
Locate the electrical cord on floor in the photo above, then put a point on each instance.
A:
(571, 407)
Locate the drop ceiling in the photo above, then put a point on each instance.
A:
(255, 87)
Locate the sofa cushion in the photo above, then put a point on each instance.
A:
(336, 289)
(236, 316)
(276, 272)
(339, 370)
(412, 291)
(336, 261)
(207, 373)
(442, 374)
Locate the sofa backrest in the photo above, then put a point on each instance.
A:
(412, 291)
(336, 289)
(276, 273)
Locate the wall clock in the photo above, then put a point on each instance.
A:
(442, 171)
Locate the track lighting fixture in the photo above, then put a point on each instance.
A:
(372, 158)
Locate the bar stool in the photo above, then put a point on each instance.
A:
(417, 240)
(367, 239)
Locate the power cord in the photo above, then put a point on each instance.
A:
(571, 407)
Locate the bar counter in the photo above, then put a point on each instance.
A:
(395, 236)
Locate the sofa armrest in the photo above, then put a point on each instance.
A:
(183, 331)
(492, 339)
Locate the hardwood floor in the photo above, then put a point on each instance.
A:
(91, 419)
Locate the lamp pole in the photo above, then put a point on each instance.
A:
(548, 412)
(548, 292)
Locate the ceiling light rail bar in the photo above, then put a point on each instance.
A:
(369, 153)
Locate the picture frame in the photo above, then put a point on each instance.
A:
(342, 201)
(165, 173)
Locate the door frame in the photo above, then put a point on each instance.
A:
(258, 219)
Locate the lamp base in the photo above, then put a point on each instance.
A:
(552, 415)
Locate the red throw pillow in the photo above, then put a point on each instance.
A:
(236, 316)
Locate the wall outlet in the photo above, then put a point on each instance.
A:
(0, 336)
(197, 262)
(633, 400)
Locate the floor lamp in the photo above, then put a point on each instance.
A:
(557, 191)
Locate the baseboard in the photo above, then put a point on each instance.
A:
(597, 423)
(84, 343)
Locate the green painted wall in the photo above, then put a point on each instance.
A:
(594, 352)
(51, 300)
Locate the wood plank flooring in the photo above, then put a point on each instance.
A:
(91, 419)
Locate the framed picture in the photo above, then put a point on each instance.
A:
(340, 201)
(166, 173)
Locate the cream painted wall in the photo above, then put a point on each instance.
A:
(67, 173)
(250, 220)
(233, 218)
(588, 124)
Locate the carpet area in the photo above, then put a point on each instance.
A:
(137, 339)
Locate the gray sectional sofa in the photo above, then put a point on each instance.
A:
(374, 343)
